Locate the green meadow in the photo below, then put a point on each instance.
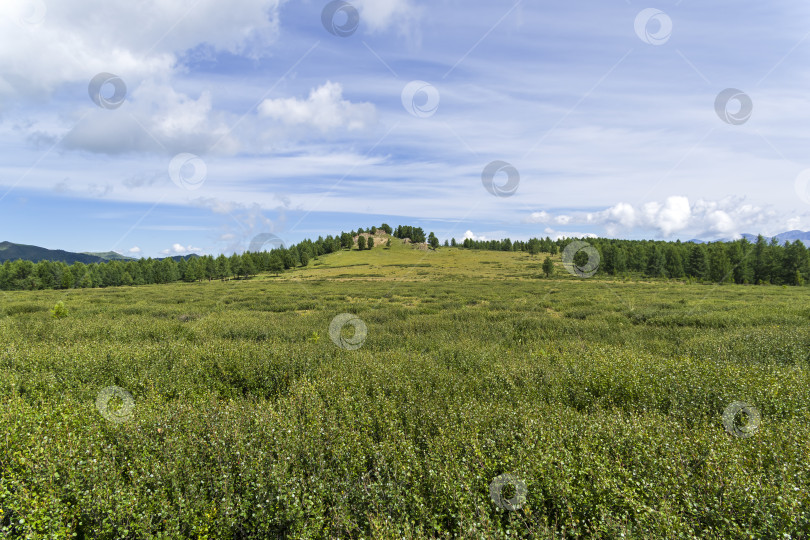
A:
(469, 397)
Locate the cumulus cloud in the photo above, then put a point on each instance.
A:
(673, 216)
(72, 41)
(156, 119)
(134, 250)
(179, 249)
(324, 109)
(147, 45)
(472, 236)
(723, 218)
(676, 215)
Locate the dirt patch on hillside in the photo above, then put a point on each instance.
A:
(378, 236)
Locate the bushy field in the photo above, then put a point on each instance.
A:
(602, 401)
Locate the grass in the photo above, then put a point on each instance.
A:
(603, 397)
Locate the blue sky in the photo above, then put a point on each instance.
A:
(252, 117)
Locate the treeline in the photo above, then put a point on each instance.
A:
(760, 262)
(27, 275)
(740, 261)
(533, 245)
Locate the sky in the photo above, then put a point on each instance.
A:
(168, 127)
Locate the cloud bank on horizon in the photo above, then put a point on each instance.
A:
(159, 127)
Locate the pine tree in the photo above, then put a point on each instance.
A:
(697, 265)
(719, 264)
(548, 266)
(433, 241)
(656, 263)
(674, 262)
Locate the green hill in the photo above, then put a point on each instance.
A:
(11, 252)
(109, 256)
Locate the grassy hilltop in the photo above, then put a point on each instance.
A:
(601, 399)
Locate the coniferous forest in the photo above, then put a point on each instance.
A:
(761, 262)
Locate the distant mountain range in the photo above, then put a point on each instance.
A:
(791, 236)
(11, 252)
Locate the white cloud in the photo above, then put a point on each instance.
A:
(469, 234)
(720, 222)
(134, 250)
(545, 217)
(156, 118)
(562, 219)
(539, 217)
(794, 223)
(725, 218)
(674, 216)
(378, 15)
(78, 39)
(144, 43)
(324, 109)
(179, 249)
(556, 235)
